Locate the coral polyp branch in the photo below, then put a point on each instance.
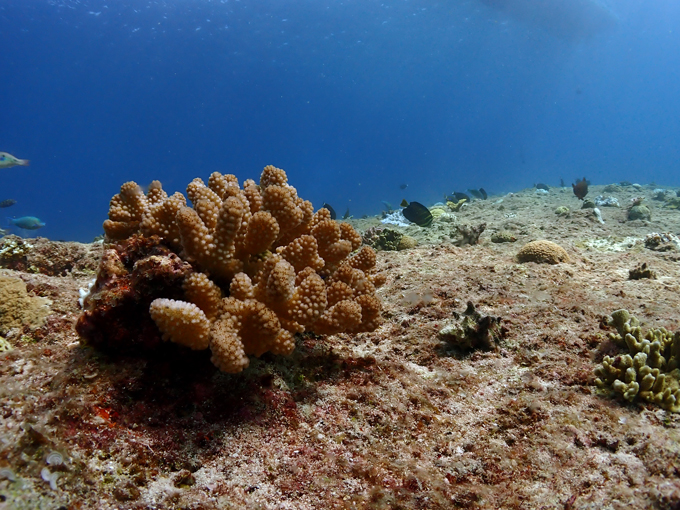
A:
(240, 271)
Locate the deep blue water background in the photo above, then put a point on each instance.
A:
(351, 98)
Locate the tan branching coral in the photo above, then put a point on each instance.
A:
(283, 268)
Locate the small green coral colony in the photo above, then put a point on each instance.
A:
(651, 370)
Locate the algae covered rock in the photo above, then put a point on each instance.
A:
(383, 238)
(542, 251)
(503, 236)
(17, 308)
(407, 242)
(639, 212)
(562, 211)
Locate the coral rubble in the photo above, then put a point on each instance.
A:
(651, 369)
(282, 268)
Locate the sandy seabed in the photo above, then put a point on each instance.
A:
(396, 418)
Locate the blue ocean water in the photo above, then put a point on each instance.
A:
(352, 98)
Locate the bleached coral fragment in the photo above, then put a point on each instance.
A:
(181, 322)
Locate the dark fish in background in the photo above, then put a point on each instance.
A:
(346, 216)
(540, 185)
(330, 209)
(562, 185)
(457, 196)
(403, 186)
(9, 202)
(417, 213)
(580, 188)
(475, 193)
(479, 194)
(388, 206)
(27, 222)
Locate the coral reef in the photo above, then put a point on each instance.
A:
(456, 206)
(542, 251)
(638, 211)
(407, 243)
(640, 272)
(672, 203)
(382, 238)
(651, 369)
(602, 201)
(386, 239)
(467, 234)
(283, 269)
(664, 241)
(48, 257)
(17, 308)
(472, 330)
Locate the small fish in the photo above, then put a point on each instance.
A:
(27, 222)
(418, 214)
(457, 197)
(540, 185)
(346, 216)
(580, 188)
(403, 186)
(484, 194)
(388, 206)
(8, 161)
(330, 209)
(9, 202)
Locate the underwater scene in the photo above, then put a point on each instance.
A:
(338, 254)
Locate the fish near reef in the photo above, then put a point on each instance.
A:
(27, 222)
(540, 185)
(9, 202)
(330, 210)
(8, 161)
(418, 214)
(580, 188)
(457, 196)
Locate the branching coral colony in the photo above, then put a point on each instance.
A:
(651, 371)
(240, 272)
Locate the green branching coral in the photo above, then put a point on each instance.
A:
(651, 370)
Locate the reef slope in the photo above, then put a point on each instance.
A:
(395, 418)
